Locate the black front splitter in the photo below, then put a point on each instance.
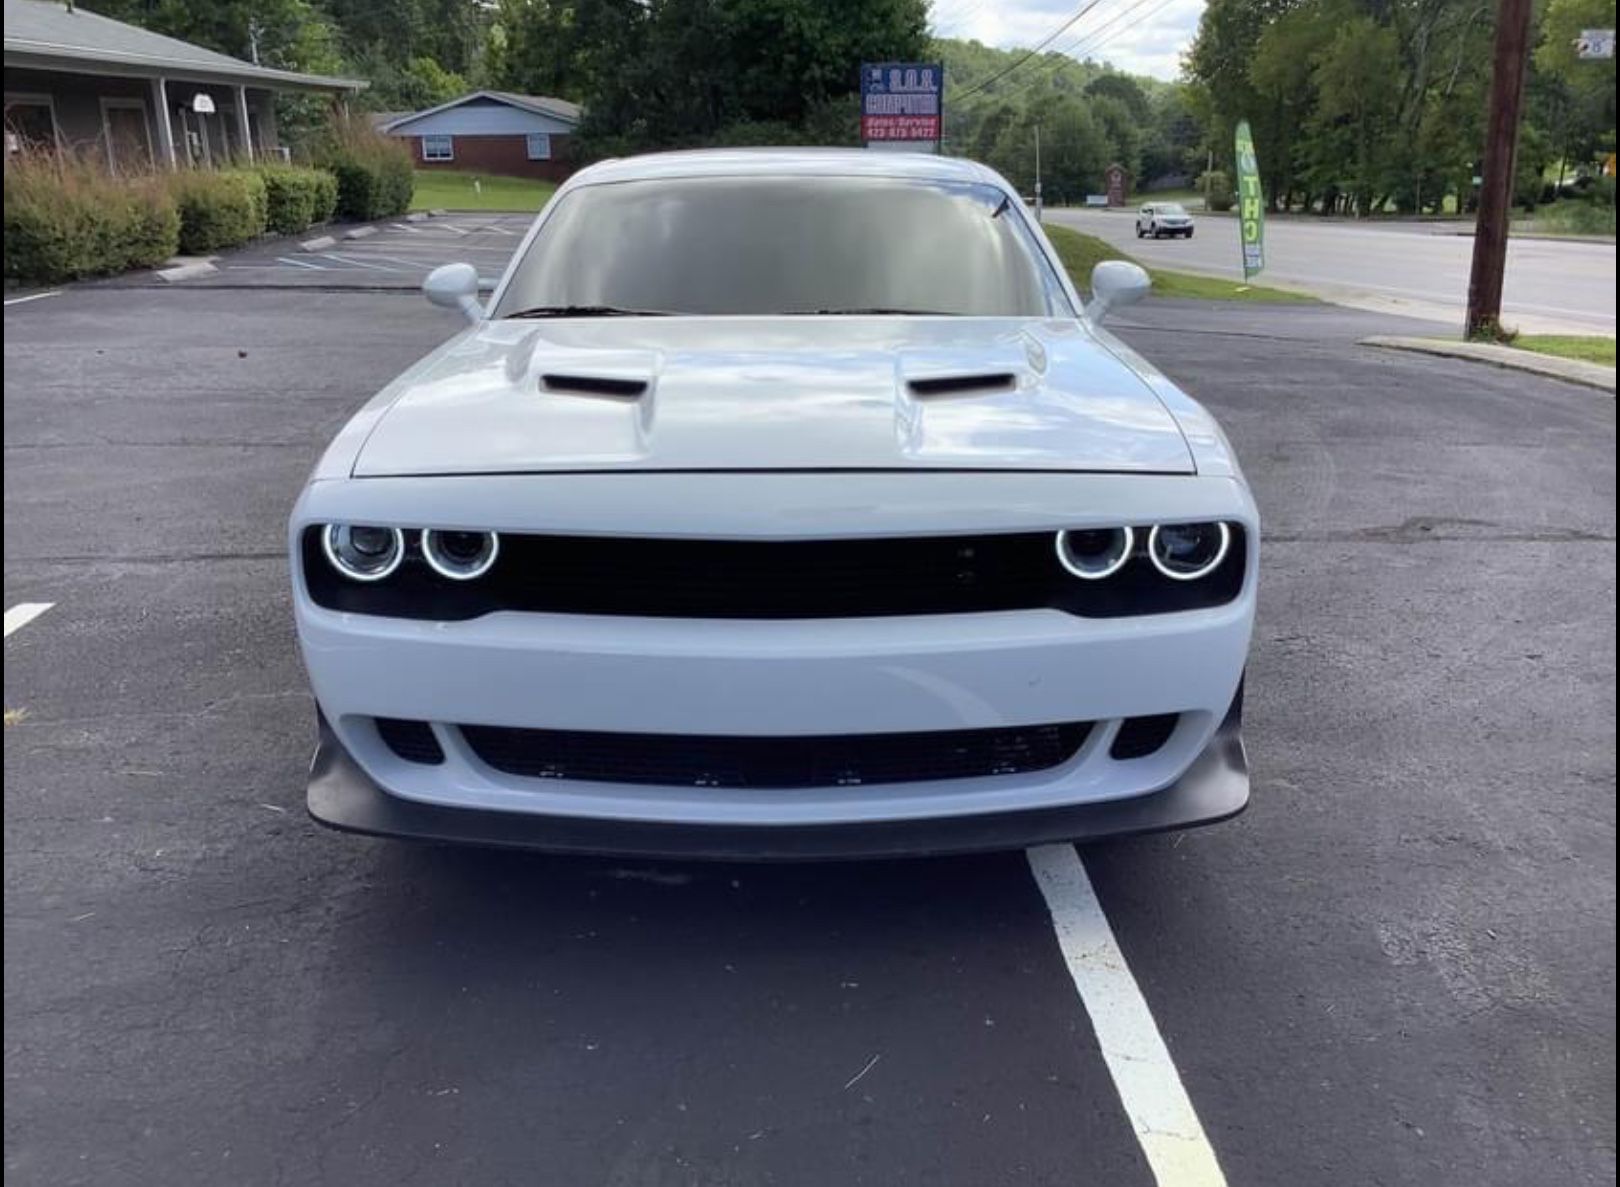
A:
(1215, 788)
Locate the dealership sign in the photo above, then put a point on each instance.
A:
(901, 104)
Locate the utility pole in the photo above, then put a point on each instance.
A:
(1037, 173)
(1496, 191)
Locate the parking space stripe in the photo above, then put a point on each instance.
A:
(332, 255)
(300, 263)
(24, 613)
(33, 297)
(1149, 1086)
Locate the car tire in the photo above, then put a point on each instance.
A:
(1139, 231)
(1189, 234)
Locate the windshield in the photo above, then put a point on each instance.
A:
(1172, 208)
(795, 245)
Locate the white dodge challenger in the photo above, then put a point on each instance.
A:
(779, 503)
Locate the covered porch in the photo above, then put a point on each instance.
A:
(81, 82)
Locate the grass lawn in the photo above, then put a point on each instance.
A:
(1081, 253)
(1591, 350)
(440, 188)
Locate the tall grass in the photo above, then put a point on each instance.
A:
(67, 216)
(374, 173)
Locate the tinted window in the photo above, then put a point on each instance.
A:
(744, 245)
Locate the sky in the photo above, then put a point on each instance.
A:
(1139, 36)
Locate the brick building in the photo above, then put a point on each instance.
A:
(492, 132)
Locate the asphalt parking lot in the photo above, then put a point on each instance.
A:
(1396, 968)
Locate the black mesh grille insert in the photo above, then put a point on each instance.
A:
(411, 740)
(678, 760)
(1139, 737)
(763, 579)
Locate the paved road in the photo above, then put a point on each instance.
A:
(1419, 269)
(1397, 968)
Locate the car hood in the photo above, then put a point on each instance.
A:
(514, 396)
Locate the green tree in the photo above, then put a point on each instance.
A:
(1356, 111)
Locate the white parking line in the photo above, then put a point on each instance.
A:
(332, 255)
(24, 613)
(33, 297)
(1168, 1130)
(301, 264)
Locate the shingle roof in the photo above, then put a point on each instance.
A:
(540, 104)
(43, 32)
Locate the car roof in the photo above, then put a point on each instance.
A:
(742, 162)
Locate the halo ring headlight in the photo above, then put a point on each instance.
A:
(1209, 552)
(460, 555)
(363, 552)
(1092, 554)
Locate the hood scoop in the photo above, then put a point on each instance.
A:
(963, 385)
(616, 387)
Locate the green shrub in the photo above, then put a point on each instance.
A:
(1217, 187)
(326, 192)
(374, 175)
(295, 198)
(218, 209)
(66, 217)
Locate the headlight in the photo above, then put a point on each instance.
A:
(1094, 553)
(363, 553)
(460, 556)
(1188, 551)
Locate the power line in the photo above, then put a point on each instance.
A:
(1089, 40)
(1046, 41)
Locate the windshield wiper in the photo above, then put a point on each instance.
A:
(872, 311)
(586, 311)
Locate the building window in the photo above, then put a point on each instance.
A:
(438, 148)
(539, 146)
(30, 122)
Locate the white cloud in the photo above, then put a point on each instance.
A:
(1144, 38)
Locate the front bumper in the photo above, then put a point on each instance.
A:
(777, 678)
(1214, 788)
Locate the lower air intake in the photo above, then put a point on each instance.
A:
(1139, 737)
(674, 760)
(411, 740)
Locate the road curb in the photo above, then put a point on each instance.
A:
(360, 232)
(319, 243)
(1592, 375)
(187, 271)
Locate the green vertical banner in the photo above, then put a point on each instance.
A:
(1251, 203)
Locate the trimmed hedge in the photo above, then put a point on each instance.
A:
(219, 209)
(372, 187)
(297, 198)
(67, 218)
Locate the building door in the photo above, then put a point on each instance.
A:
(129, 141)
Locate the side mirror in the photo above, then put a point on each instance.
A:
(1114, 285)
(455, 286)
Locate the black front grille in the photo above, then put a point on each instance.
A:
(681, 760)
(803, 579)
